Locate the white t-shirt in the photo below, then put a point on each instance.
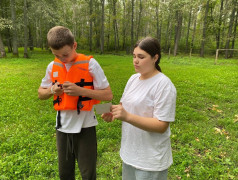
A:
(154, 97)
(71, 121)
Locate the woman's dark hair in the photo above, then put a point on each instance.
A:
(152, 47)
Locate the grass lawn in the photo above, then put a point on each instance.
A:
(204, 135)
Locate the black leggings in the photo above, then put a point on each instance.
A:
(78, 146)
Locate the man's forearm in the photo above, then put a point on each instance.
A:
(44, 93)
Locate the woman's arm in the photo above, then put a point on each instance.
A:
(145, 123)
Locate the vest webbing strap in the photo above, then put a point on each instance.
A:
(58, 121)
(82, 83)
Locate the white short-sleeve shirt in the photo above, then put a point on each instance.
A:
(154, 97)
(71, 121)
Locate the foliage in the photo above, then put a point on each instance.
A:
(5, 23)
(75, 14)
(204, 135)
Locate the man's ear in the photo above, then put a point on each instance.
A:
(75, 45)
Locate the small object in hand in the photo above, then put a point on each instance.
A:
(103, 108)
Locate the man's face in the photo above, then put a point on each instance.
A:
(66, 54)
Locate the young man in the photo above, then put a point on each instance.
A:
(77, 82)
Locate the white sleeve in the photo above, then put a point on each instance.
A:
(46, 81)
(99, 79)
(165, 102)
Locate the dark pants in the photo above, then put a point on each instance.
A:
(81, 147)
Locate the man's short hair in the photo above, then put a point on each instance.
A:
(60, 36)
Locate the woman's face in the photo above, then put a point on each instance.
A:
(143, 62)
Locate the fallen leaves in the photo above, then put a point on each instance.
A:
(215, 108)
(222, 131)
(236, 118)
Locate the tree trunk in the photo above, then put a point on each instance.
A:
(91, 25)
(157, 20)
(204, 30)
(139, 22)
(177, 31)
(124, 26)
(219, 25)
(31, 44)
(188, 30)
(115, 26)
(2, 49)
(9, 41)
(25, 30)
(167, 36)
(229, 34)
(234, 35)
(108, 32)
(132, 24)
(14, 29)
(194, 31)
(102, 27)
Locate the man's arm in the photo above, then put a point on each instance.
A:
(46, 93)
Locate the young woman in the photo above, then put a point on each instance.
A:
(146, 109)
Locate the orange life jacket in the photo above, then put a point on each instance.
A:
(78, 74)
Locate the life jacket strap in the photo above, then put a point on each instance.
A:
(58, 121)
(57, 100)
(82, 83)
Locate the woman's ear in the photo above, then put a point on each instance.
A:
(156, 57)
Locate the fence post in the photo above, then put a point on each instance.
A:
(216, 56)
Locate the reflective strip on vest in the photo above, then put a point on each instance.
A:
(81, 62)
(59, 64)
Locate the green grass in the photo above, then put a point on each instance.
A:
(204, 135)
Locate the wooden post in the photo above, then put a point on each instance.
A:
(216, 56)
(169, 53)
(217, 53)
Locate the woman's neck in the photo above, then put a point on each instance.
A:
(149, 75)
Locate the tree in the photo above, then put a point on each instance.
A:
(115, 28)
(188, 28)
(204, 30)
(179, 19)
(194, 30)
(132, 24)
(14, 29)
(229, 34)
(139, 21)
(102, 27)
(234, 34)
(91, 25)
(2, 49)
(4, 24)
(219, 25)
(25, 30)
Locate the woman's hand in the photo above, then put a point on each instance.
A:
(119, 112)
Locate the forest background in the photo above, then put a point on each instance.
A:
(182, 26)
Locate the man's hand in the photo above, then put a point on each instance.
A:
(56, 89)
(72, 89)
